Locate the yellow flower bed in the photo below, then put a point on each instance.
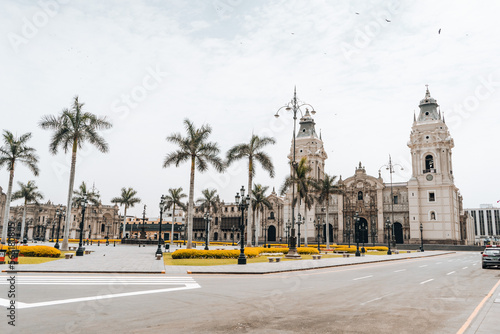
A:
(35, 251)
(212, 254)
(352, 249)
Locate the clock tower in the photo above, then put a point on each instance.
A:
(433, 198)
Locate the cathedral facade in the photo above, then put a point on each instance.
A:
(428, 206)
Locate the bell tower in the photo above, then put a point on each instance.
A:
(432, 195)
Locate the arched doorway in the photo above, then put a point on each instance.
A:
(216, 236)
(363, 230)
(398, 233)
(271, 233)
(330, 233)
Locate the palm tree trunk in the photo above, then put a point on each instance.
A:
(327, 231)
(24, 222)
(124, 221)
(172, 234)
(190, 206)
(64, 245)
(250, 209)
(7, 207)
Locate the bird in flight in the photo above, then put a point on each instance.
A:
(357, 13)
(387, 20)
(439, 31)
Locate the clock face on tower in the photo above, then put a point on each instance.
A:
(429, 177)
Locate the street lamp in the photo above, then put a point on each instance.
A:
(318, 226)
(232, 233)
(79, 251)
(421, 237)
(288, 225)
(208, 219)
(162, 207)
(364, 228)
(348, 232)
(60, 213)
(181, 229)
(388, 226)
(245, 201)
(356, 232)
(374, 233)
(390, 167)
(299, 222)
(143, 228)
(295, 106)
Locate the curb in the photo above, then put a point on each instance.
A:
(279, 271)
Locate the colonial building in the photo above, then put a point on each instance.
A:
(101, 221)
(429, 199)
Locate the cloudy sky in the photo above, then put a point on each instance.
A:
(147, 65)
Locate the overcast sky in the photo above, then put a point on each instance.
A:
(147, 65)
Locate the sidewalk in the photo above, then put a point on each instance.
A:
(104, 259)
(488, 319)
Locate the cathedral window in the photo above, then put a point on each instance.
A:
(433, 215)
(396, 199)
(360, 195)
(102, 227)
(432, 197)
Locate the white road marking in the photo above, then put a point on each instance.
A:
(355, 279)
(423, 266)
(187, 282)
(474, 264)
(451, 272)
(465, 267)
(376, 299)
(429, 280)
(400, 270)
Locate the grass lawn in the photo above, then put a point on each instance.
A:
(167, 259)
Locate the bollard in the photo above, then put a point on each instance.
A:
(98, 242)
(91, 242)
(114, 243)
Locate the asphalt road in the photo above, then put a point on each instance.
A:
(426, 295)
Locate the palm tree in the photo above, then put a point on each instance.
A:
(258, 203)
(93, 197)
(15, 150)
(72, 128)
(128, 200)
(327, 187)
(253, 152)
(304, 185)
(195, 149)
(30, 194)
(209, 201)
(174, 197)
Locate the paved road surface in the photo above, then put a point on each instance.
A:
(426, 295)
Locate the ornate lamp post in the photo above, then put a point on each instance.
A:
(374, 233)
(356, 232)
(348, 232)
(421, 237)
(299, 222)
(388, 227)
(60, 213)
(162, 207)
(294, 105)
(79, 251)
(390, 167)
(245, 201)
(208, 219)
(318, 226)
(143, 227)
(288, 225)
(232, 233)
(364, 228)
(181, 229)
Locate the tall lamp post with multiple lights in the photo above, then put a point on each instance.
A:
(243, 205)
(421, 237)
(80, 250)
(60, 213)
(143, 227)
(232, 234)
(318, 226)
(208, 219)
(295, 106)
(162, 207)
(390, 167)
